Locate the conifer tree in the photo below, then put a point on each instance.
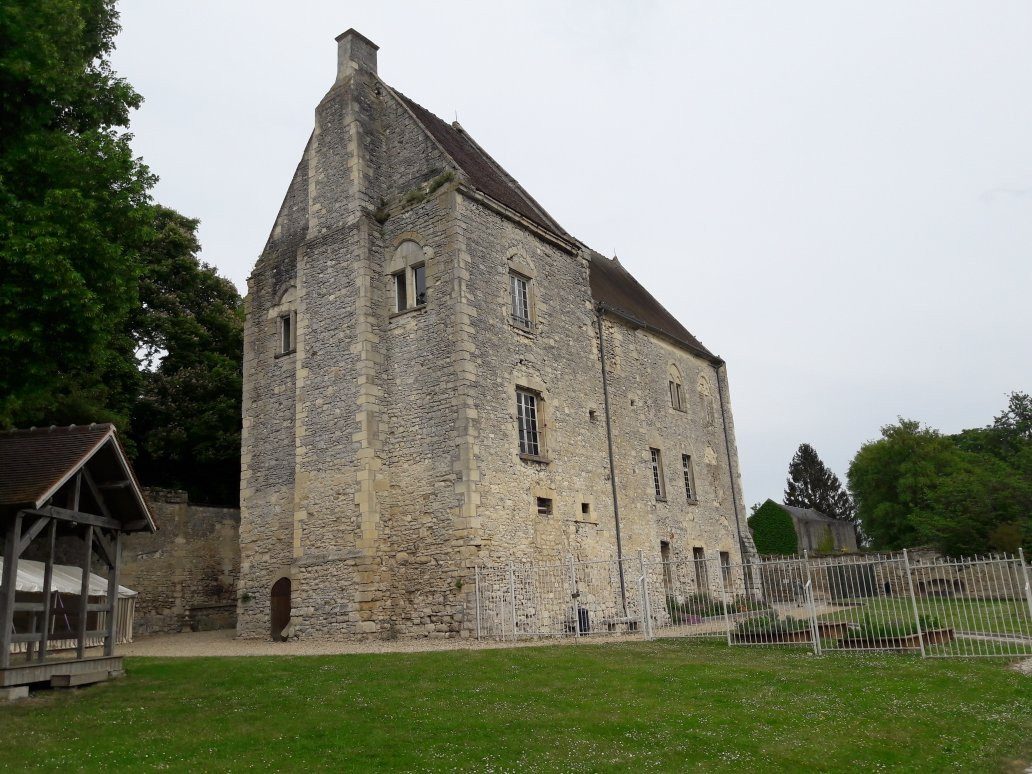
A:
(811, 485)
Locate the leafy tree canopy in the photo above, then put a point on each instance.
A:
(811, 484)
(189, 329)
(967, 493)
(73, 211)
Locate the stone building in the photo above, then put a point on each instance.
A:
(424, 392)
(814, 528)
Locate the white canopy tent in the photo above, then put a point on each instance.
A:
(67, 580)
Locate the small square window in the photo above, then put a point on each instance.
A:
(419, 280)
(585, 509)
(544, 506)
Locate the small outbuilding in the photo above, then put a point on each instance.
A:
(68, 489)
(817, 530)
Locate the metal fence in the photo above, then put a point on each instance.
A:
(979, 606)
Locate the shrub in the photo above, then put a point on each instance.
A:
(773, 531)
(881, 629)
(770, 623)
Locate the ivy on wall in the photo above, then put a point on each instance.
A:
(772, 530)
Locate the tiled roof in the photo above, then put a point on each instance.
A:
(485, 174)
(613, 286)
(33, 462)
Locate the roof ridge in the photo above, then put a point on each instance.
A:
(503, 187)
(512, 181)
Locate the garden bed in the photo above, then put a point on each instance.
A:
(898, 642)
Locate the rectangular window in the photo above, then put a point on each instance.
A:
(419, 280)
(519, 291)
(668, 573)
(657, 474)
(725, 568)
(544, 506)
(689, 490)
(701, 574)
(527, 421)
(286, 334)
(401, 291)
(677, 396)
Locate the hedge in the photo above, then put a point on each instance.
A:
(773, 531)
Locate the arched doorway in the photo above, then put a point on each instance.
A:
(280, 616)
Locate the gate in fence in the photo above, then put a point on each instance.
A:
(943, 608)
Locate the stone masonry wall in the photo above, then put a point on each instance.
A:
(381, 459)
(186, 572)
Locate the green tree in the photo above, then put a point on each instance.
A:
(964, 494)
(73, 213)
(189, 329)
(773, 531)
(811, 484)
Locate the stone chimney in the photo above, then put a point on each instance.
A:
(354, 51)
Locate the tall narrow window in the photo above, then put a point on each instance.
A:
(689, 490)
(286, 334)
(519, 291)
(668, 573)
(657, 474)
(401, 291)
(701, 575)
(527, 420)
(419, 280)
(725, 568)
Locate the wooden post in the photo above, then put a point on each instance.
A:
(48, 579)
(112, 596)
(12, 536)
(84, 591)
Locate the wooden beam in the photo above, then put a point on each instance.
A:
(101, 549)
(112, 598)
(8, 581)
(78, 491)
(28, 535)
(48, 579)
(115, 485)
(84, 592)
(96, 493)
(78, 517)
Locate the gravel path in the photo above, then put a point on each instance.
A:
(225, 643)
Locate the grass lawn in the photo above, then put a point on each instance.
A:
(668, 705)
(972, 615)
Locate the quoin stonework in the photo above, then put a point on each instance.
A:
(438, 376)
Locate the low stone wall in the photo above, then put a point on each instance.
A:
(186, 572)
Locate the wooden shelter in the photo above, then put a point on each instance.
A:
(69, 489)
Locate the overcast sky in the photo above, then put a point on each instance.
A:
(836, 197)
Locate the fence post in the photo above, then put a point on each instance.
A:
(1028, 588)
(512, 599)
(913, 602)
(723, 601)
(575, 598)
(646, 610)
(812, 605)
(477, 587)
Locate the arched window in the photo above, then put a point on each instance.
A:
(408, 269)
(676, 383)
